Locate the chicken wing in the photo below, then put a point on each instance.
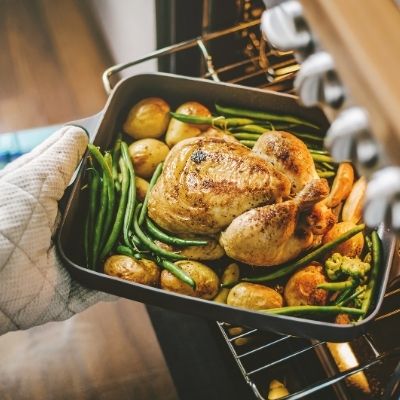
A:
(207, 181)
(289, 155)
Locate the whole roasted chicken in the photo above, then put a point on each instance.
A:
(208, 181)
(210, 185)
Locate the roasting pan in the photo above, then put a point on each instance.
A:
(103, 128)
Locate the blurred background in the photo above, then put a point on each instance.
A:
(53, 53)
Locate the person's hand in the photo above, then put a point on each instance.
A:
(34, 286)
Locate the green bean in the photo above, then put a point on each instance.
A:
(296, 310)
(119, 218)
(147, 242)
(307, 136)
(99, 226)
(106, 205)
(321, 158)
(251, 129)
(248, 143)
(326, 174)
(262, 115)
(373, 278)
(158, 234)
(110, 210)
(246, 136)
(130, 207)
(343, 296)
(328, 166)
(336, 286)
(312, 256)
(86, 241)
(94, 183)
(178, 272)
(219, 122)
(352, 297)
(115, 157)
(153, 181)
(125, 251)
(322, 152)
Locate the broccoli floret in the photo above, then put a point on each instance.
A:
(333, 266)
(338, 265)
(355, 268)
(358, 301)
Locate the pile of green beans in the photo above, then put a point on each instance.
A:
(121, 226)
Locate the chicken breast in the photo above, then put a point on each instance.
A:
(269, 235)
(289, 155)
(207, 182)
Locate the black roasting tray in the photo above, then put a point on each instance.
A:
(103, 129)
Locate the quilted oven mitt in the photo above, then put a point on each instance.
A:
(34, 286)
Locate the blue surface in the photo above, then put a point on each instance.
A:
(14, 144)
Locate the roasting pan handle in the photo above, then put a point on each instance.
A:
(89, 124)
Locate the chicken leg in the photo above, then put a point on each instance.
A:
(269, 235)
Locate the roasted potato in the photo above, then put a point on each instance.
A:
(230, 275)
(146, 154)
(178, 130)
(148, 118)
(254, 297)
(301, 289)
(352, 247)
(141, 271)
(141, 187)
(211, 251)
(352, 209)
(207, 281)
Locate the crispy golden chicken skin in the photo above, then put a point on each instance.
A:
(207, 181)
(289, 155)
(269, 235)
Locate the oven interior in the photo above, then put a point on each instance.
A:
(230, 48)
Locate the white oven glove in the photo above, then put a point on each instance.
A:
(34, 286)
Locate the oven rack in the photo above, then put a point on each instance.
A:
(275, 71)
(333, 378)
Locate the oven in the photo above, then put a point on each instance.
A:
(221, 40)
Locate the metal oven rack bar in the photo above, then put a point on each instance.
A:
(278, 69)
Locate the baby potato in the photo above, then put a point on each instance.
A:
(141, 271)
(141, 188)
(254, 297)
(211, 251)
(146, 154)
(207, 281)
(148, 118)
(351, 247)
(178, 130)
(301, 289)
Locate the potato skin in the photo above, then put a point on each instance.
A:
(207, 281)
(148, 118)
(146, 154)
(351, 247)
(254, 297)
(301, 289)
(211, 251)
(141, 271)
(141, 187)
(178, 130)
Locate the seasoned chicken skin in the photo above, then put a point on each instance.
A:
(269, 235)
(289, 155)
(207, 181)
